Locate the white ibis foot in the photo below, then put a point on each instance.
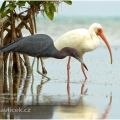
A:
(68, 88)
(44, 71)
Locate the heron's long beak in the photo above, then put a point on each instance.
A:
(80, 60)
(107, 44)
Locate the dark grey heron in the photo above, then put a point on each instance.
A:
(40, 45)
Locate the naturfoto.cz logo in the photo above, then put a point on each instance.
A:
(14, 110)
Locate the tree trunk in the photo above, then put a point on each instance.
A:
(16, 62)
(1, 54)
(10, 63)
(27, 64)
(22, 66)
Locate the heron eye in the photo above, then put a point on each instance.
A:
(77, 54)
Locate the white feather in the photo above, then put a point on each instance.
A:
(81, 39)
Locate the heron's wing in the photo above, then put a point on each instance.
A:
(10, 46)
(31, 45)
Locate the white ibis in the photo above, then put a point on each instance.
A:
(83, 40)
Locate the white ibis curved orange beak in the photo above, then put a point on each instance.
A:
(107, 44)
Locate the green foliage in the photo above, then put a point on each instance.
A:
(33, 2)
(49, 7)
(68, 2)
(7, 8)
(21, 3)
(53, 8)
(3, 7)
(12, 7)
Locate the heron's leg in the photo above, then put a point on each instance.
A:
(38, 69)
(83, 70)
(44, 71)
(68, 75)
(32, 68)
(33, 63)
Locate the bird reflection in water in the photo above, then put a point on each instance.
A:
(24, 90)
(69, 108)
(80, 109)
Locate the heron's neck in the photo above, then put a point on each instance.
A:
(60, 54)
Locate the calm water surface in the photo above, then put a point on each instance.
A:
(98, 97)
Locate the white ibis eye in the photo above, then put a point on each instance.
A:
(99, 30)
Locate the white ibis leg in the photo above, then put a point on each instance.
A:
(83, 70)
(44, 71)
(39, 70)
(68, 73)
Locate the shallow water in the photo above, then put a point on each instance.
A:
(50, 100)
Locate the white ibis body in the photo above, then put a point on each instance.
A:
(83, 40)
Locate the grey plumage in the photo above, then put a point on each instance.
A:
(38, 45)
